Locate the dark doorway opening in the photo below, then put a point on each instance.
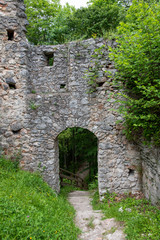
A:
(10, 34)
(78, 149)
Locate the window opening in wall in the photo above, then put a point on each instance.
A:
(16, 131)
(78, 148)
(131, 172)
(100, 84)
(62, 86)
(12, 85)
(10, 34)
(50, 59)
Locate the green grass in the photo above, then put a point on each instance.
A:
(90, 223)
(141, 219)
(30, 209)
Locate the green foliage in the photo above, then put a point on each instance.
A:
(33, 91)
(141, 219)
(94, 184)
(30, 209)
(95, 20)
(46, 21)
(33, 105)
(50, 62)
(110, 35)
(137, 58)
(8, 165)
(50, 23)
(93, 72)
(78, 145)
(90, 223)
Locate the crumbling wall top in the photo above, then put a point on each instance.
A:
(12, 19)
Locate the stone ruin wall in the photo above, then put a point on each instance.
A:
(150, 157)
(71, 106)
(13, 74)
(39, 101)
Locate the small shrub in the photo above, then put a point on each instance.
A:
(33, 105)
(94, 184)
(33, 91)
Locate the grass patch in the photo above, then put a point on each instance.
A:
(30, 209)
(90, 223)
(111, 231)
(141, 219)
(94, 184)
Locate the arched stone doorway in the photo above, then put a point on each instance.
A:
(78, 153)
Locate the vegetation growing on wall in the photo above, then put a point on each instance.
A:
(137, 58)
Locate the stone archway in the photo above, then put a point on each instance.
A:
(78, 152)
(63, 100)
(56, 152)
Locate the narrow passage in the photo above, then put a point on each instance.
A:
(90, 221)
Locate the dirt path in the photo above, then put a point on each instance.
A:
(90, 222)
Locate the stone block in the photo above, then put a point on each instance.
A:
(16, 126)
(5, 86)
(10, 81)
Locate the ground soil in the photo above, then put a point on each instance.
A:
(91, 222)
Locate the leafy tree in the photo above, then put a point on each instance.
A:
(60, 32)
(96, 19)
(50, 23)
(46, 21)
(137, 58)
(40, 15)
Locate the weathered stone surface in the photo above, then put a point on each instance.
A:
(8, 134)
(151, 172)
(16, 126)
(5, 86)
(10, 81)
